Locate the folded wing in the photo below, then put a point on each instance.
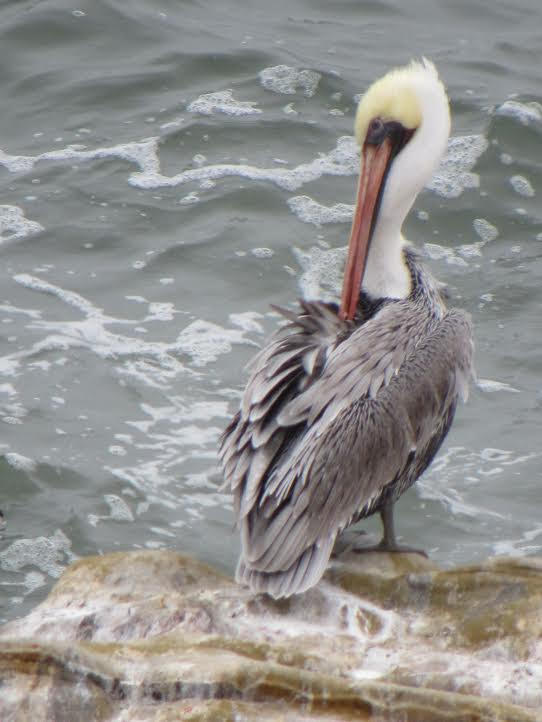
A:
(331, 420)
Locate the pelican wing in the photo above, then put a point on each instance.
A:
(369, 420)
(280, 372)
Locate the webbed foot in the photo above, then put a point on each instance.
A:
(392, 548)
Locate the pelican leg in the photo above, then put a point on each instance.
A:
(388, 543)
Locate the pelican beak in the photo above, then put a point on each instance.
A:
(374, 167)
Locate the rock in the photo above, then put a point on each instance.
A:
(153, 635)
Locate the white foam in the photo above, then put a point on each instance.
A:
(7, 307)
(16, 163)
(522, 186)
(162, 532)
(285, 79)
(522, 546)
(172, 124)
(471, 250)
(485, 230)
(222, 102)
(205, 341)
(454, 174)
(179, 411)
(490, 386)
(119, 508)
(175, 432)
(117, 450)
(143, 153)
(263, 252)
(153, 363)
(437, 483)
(160, 312)
(322, 272)
(8, 389)
(247, 321)
(343, 160)
(310, 211)
(451, 178)
(14, 225)
(9, 365)
(436, 252)
(525, 113)
(11, 410)
(69, 297)
(189, 199)
(34, 580)
(12, 420)
(20, 462)
(45, 553)
(119, 511)
(199, 160)
(473, 467)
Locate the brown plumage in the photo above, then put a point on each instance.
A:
(337, 420)
(346, 407)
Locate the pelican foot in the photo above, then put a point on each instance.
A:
(390, 548)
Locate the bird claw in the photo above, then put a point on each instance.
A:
(390, 548)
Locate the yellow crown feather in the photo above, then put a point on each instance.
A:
(393, 97)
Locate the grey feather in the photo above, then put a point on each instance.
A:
(337, 419)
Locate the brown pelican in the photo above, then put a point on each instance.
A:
(347, 406)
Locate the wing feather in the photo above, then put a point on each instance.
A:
(278, 372)
(333, 419)
(259, 464)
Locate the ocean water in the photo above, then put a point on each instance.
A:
(170, 169)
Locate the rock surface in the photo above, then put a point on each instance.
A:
(153, 635)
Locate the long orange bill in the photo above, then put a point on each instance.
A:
(375, 160)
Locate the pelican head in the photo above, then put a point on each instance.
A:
(402, 125)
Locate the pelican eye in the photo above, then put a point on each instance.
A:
(376, 132)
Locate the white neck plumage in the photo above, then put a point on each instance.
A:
(386, 274)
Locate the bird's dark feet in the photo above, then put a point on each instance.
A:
(394, 548)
